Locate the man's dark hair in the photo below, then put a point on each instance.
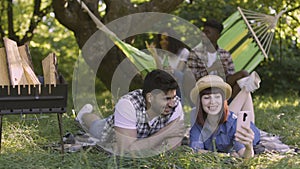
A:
(159, 79)
(214, 24)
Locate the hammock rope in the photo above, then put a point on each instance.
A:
(263, 26)
(248, 36)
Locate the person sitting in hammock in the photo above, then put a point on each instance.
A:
(170, 54)
(177, 52)
(209, 59)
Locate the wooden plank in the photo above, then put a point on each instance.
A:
(253, 33)
(14, 61)
(4, 78)
(49, 69)
(29, 74)
(27, 65)
(25, 55)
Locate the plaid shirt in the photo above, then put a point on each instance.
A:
(144, 129)
(198, 59)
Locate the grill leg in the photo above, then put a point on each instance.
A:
(59, 116)
(0, 131)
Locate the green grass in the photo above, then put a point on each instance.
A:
(279, 115)
(26, 143)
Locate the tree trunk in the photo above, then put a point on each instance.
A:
(69, 14)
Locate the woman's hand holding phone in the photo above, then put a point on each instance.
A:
(244, 134)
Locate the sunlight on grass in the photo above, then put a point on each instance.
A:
(276, 104)
(18, 137)
(296, 103)
(27, 143)
(279, 116)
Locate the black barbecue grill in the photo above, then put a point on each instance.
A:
(39, 99)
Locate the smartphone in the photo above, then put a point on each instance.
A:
(243, 118)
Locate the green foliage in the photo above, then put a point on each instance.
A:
(139, 1)
(199, 10)
(50, 37)
(21, 12)
(19, 19)
(280, 76)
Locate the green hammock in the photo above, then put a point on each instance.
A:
(235, 34)
(248, 35)
(140, 59)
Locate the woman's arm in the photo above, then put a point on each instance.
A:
(183, 57)
(152, 50)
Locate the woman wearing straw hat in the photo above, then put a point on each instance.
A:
(213, 125)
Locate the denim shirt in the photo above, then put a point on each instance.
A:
(224, 136)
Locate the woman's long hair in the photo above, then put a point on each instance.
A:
(201, 116)
(174, 44)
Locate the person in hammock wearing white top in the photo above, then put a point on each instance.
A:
(170, 45)
(170, 54)
(208, 58)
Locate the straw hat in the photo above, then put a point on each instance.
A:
(207, 82)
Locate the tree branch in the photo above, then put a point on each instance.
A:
(2, 34)
(35, 20)
(291, 10)
(70, 14)
(11, 32)
(165, 6)
(125, 7)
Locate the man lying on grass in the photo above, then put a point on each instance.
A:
(144, 120)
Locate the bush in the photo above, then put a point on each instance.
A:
(280, 76)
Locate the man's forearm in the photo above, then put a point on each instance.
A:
(147, 143)
(152, 142)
